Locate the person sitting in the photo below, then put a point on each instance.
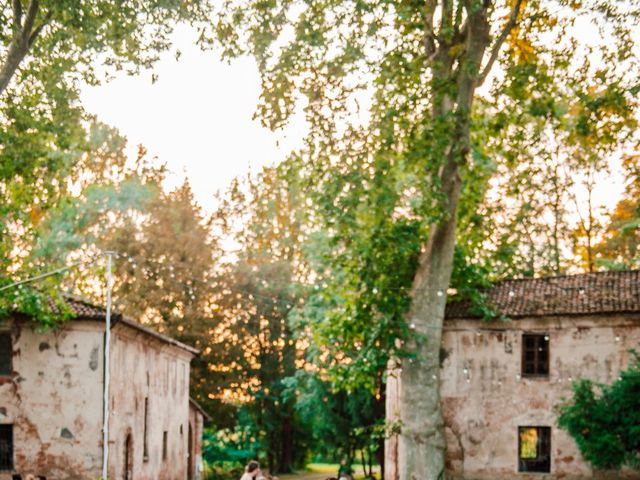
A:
(252, 471)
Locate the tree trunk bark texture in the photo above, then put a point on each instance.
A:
(285, 463)
(421, 446)
(417, 452)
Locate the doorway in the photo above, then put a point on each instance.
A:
(128, 458)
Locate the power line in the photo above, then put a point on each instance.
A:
(48, 274)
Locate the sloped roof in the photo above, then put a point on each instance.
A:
(197, 407)
(82, 308)
(584, 294)
(85, 310)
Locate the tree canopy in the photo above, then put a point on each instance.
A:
(413, 108)
(47, 48)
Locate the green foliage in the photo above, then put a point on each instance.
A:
(226, 452)
(42, 234)
(604, 420)
(254, 347)
(620, 246)
(44, 303)
(374, 80)
(47, 48)
(75, 221)
(342, 423)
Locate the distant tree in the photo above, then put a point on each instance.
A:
(254, 347)
(347, 427)
(604, 420)
(620, 246)
(165, 264)
(47, 48)
(62, 223)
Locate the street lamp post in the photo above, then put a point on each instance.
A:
(107, 349)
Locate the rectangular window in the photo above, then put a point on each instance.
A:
(6, 352)
(535, 354)
(145, 444)
(174, 385)
(164, 445)
(167, 384)
(534, 449)
(6, 447)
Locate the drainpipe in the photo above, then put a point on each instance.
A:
(105, 399)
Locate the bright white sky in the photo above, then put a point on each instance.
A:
(197, 118)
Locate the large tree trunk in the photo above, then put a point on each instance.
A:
(287, 432)
(417, 452)
(421, 446)
(285, 463)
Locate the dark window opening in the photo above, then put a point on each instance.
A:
(145, 444)
(6, 352)
(191, 466)
(164, 445)
(6, 447)
(534, 449)
(535, 354)
(128, 458)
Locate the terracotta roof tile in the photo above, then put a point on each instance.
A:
(584, 294)
(85, 310)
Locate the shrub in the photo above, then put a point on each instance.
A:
(604, 420)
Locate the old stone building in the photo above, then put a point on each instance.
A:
(51, 401)
(197, 417)
(501, 381)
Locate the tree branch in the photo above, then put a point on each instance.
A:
(446, 22)
(39, 28)
(511, 23)
(429, 35)
(30, 19)
(20, 42)
(17, 15)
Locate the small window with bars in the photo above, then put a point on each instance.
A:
(534, 449)
(6, 447)
(535, 354)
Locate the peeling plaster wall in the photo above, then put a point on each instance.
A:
(145, 367)
(53, 399)
(196, 423)
(485, 399)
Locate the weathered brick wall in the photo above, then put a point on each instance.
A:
(485, 398)
(53, 398)
(196, 425)
(144, 367)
